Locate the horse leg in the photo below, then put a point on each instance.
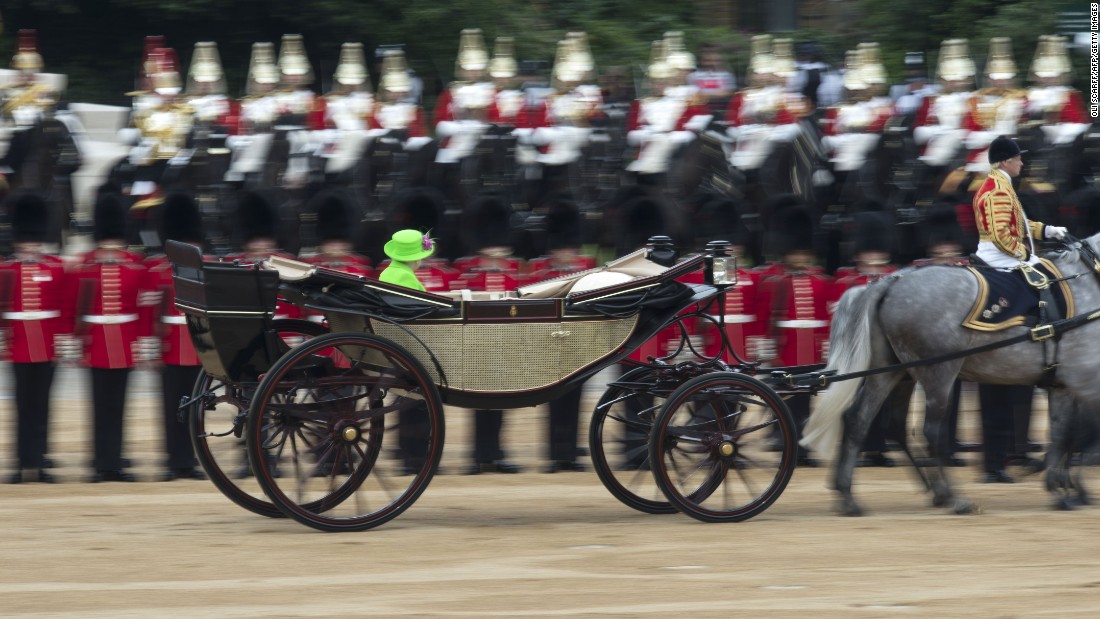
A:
(857, 421)
(1059, 479)
(938, 382)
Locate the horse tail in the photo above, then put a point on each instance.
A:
(849, 351)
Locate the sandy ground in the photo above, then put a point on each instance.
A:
(527, 545)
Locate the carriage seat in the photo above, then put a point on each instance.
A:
(615, 273)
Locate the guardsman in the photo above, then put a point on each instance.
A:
(795, 292)
(258, 223)
(570, 111)
(112, 294)
(874, 247)
(393, 111)
(462, 110)
(563, 241)
(36, 305)
(743, 322)
(335, 231)
(663, 122)
(1051, 101)
(254, 133)
(764, 113)
(347, 110)
(697, 112)
(180, 220)
(205, 92)
(854, 127)
(996, 109)
(938, 126)
(492, 270)
(27, 99)
(297, 104)
(509, 105)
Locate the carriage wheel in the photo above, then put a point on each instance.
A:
(714, 447)
(618, 437)
(316, 428)
(216, 423)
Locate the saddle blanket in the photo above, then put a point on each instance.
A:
(1006, 300)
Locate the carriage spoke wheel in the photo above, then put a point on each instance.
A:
(618, 437)
(317, 426)
(216, 420)
(723, 447)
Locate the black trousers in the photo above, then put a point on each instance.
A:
(32, 405)
(1001, 405)
(487, 426)
(108, 408)
(177, 381)
(564, 420)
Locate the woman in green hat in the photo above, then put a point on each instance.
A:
(406, 249)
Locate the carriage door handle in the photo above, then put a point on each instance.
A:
(560, 333)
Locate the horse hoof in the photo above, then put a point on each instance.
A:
(940, 500)
(964, 507)
(1084, 499)
(1064, 505)
(849, 508)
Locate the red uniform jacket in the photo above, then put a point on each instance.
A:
(112, 299)
(169, 324)
(798, 306)
(36, 303)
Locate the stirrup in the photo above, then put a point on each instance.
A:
(1034, 278)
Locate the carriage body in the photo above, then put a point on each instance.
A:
(315, 416)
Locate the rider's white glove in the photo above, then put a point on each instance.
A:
(1055, 232)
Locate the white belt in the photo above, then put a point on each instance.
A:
(109, 319)
(174, 320)
(736, 318)
(801, 324)
(317, 318)
(38, 315)
(281, 317)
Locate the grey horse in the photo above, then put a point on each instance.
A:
(916, 314)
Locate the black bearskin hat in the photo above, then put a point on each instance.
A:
(793, 226)
(419, 209)
(30, 218)
(334, 219)
(942, 226)
(110, 218)
(492, 221)
(720, 220)
(256, 217)
(180, 219)
(563, 225)
(873, 231)
(641, 218)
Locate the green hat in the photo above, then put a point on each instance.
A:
(409, 245)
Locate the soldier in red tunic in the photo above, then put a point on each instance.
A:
(795, 291)
(35, 306)
(179, 363)
(491, 270)
(111, 295)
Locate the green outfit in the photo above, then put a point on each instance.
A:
(400, 274)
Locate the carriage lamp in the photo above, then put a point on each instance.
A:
(662, 250)
(721, 264)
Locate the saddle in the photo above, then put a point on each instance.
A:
(1018, 297)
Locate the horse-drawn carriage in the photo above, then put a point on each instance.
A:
(320, 408)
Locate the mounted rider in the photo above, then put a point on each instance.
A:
(938, 127)
(996, 109)
(1006, 238)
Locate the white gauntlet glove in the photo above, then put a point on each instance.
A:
(1055, 232)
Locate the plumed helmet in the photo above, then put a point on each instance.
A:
(492, 220)
(1000, 65)
(26, 56)
(471, 51)
(261, 68)
(503, 64)
(30, 219)
(109, 218)
(180, 219)
(205, 73)
(334, 219)
(256, 217)
(293, 61)
(1002, 149)
(563, 225)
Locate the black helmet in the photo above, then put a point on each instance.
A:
(1003, 149)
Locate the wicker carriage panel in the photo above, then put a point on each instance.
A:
(510, 357)
(585, 341)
